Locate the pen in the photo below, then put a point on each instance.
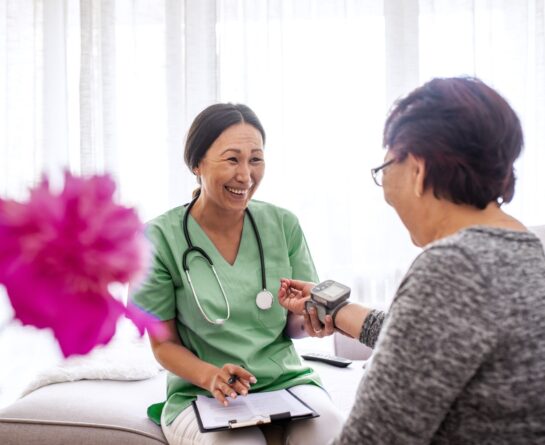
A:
(232, 379)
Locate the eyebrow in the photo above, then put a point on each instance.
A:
(238, 150)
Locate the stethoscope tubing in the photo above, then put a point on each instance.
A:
(217, 321)
(260, 248)
(192, 248)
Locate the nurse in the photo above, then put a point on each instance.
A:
(218, 262)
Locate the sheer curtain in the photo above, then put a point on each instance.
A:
(322, 75)
(103, 85)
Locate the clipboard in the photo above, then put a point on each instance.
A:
(258, 408)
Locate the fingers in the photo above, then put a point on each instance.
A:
(308, 325)
(283, 290)
(297, 285)
(292, 298)
(283, 293)
(221, 391)
(315, 321)
(329, 328)
(241, 387)
(314, 327)
(230, 381)
(286, 291)
(241, 373)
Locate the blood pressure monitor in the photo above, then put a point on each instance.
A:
(330, 293)
(327, 298)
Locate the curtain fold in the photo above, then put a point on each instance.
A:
(175, 82)
(402, 47)
(21, 100)
(103, 85)
(97, 87)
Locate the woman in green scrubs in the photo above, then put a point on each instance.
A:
(218, 327)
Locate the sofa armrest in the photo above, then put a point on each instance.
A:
(350, 347)
(85, 412)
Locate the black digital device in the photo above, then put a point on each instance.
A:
(333, 360)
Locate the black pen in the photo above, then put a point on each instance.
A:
(232, 379)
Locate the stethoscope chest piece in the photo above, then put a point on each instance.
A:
(264, 300)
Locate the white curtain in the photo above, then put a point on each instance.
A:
(112, 85)
(322, 75)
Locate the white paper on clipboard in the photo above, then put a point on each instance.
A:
(252, 409)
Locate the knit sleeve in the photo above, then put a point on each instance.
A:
(371, 328)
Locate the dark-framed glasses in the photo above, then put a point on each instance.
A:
(378, 172)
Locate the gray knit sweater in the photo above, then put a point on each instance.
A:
(461, 354)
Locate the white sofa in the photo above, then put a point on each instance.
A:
(114, 412)
(88, 412)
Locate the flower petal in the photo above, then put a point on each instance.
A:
(60, 252)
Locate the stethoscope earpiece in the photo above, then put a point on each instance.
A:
(264, 298)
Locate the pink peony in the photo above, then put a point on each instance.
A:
(59, 253)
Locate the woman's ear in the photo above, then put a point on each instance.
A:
(419, 174)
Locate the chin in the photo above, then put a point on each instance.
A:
(415, 242)
(238, 205)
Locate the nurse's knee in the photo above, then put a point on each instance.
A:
(245, 436)
(319, 430)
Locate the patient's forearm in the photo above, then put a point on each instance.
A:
(360, 322)
(350, 319)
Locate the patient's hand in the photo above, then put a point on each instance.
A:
(293, 294)
(314, 327)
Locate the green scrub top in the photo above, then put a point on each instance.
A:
(252, 337)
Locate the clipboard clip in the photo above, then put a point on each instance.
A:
(259, 420)
(281, 416)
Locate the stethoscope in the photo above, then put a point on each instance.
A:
(263, 299)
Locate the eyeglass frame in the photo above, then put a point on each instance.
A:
(376, 170)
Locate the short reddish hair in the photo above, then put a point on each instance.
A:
(466, 132)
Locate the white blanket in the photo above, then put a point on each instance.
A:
(120, 360)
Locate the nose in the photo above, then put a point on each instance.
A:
(243, 173)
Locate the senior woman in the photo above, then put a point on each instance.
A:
(229, 324)
(459, 358)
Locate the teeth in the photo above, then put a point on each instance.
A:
(236, 191)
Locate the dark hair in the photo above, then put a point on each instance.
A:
(466, 132)
(210, 123)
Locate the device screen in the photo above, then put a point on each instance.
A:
(333, 290)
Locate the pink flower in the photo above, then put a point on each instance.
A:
(59, 253)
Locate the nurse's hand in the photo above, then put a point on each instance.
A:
(293, 294)
(314, 327)
(229, 381)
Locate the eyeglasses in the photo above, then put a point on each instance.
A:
(378, 172)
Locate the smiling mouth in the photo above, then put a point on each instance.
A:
(238, 192)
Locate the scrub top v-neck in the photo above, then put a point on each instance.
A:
(252, 337)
